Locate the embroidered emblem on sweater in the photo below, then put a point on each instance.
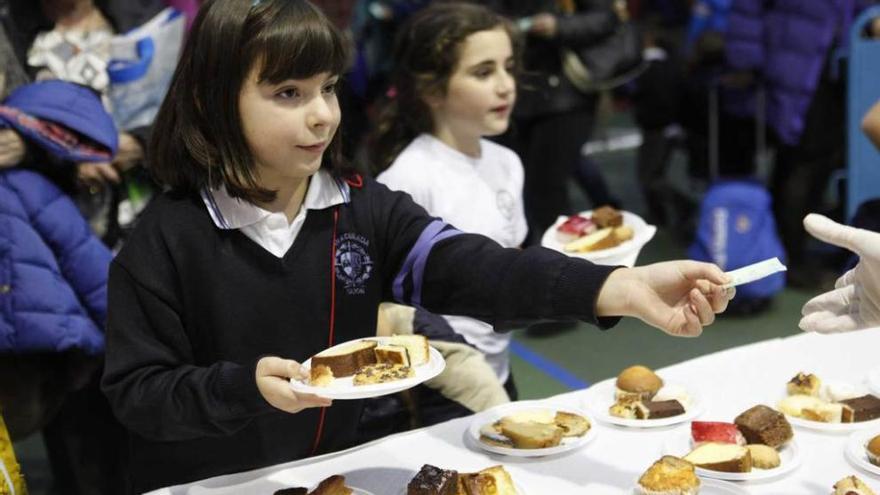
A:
(353, 262)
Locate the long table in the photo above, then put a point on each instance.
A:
(728, 383)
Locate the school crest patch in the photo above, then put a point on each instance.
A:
(353, 262)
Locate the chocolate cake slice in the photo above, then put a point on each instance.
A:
(864, 408)
(660, 409)
(431, 480)
(766, 426)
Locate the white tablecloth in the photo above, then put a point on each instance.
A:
(728, 382)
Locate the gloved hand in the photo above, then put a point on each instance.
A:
(855, 301)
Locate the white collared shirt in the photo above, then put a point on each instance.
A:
(271, 230)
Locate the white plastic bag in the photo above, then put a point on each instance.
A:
(142, 62)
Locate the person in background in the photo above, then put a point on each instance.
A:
(266, 249)
(53, 282)
(552, 119)
(430, 142)
(792, 48)
(70, 40)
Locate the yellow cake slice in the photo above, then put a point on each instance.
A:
(725, 457)
(416, 347)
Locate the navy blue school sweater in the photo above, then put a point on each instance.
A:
(192, 308)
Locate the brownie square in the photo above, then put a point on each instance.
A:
(764, 425)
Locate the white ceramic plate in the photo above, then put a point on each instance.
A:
(600, 397)
(642, 233)
(498, 412)
(830, 427)
(709, 486)
(857, 454)
(344, 388)
(679, 444)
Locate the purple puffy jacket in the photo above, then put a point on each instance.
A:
(787, 42)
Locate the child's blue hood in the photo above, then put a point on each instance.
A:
(57, 115)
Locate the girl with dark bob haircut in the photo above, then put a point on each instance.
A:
(265, 251)
(286, 40)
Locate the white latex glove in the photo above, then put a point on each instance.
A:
(855, 301)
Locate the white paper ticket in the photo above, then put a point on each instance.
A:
(754, 272)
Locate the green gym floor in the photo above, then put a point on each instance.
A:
(552, 362)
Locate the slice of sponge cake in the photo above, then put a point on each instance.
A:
(346, 359)
(416, 347)
(726, 457)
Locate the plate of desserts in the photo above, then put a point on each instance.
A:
(432, 480)
(758, 445)
(863, 450)
(531, 429)
(829, 405)
(604, 235)
(370, 367)
(673, 475)
(640, 398)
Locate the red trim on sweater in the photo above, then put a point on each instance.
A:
(332, 317)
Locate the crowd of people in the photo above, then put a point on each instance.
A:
(165, 269)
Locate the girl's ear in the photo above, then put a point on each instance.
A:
(433, 99)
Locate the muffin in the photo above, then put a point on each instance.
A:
(669, 476)
(638, 381)
(873, 449)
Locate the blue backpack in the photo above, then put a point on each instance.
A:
(737, 228)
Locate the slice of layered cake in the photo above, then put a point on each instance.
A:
(763, 425)
(416, 347)
(346, 359)
(864, 408)
(659, 409)
(713, 431)
(725, 457)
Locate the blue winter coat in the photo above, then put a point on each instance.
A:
(53, 270)
(787, 42)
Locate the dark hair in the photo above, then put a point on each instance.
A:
(197, 139)
(426, 53)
